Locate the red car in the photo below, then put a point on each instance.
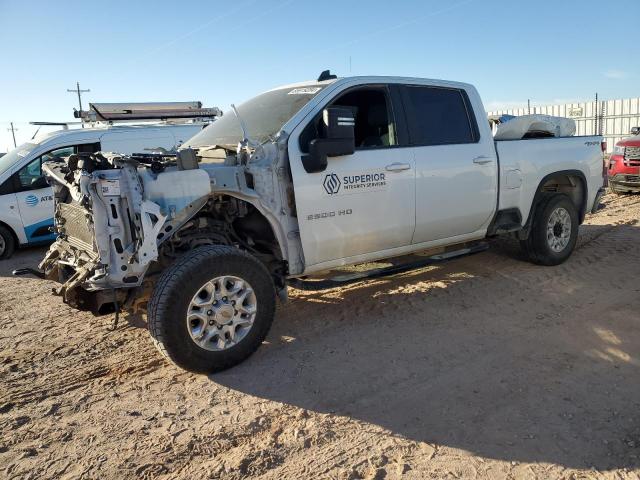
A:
(624, 165)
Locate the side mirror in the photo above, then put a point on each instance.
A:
(338, 140)
(635, 131)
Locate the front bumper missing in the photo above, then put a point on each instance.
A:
(55, 261)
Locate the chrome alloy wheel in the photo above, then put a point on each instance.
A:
(221, 313)
(559, 229)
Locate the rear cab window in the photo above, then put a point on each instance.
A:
(438, 116)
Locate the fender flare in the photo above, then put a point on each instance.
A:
(536, 198)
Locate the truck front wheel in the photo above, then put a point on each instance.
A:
(554, 230)
(211, 309)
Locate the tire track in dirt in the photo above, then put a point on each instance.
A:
(485, 367)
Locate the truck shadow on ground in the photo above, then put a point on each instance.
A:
(486, 354)
(25, 257)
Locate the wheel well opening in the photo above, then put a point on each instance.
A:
(572, 186)
(226, 220)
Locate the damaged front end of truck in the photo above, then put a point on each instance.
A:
(122, 220)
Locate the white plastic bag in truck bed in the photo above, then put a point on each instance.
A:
(535, 125)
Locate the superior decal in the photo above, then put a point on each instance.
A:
(358, 182)
(368, 180)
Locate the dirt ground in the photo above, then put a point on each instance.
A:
(485, 367)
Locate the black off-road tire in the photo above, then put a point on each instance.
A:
(536, 247)
(167, 310)
(8, 241)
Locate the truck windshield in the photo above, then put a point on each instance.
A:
(8, 160)
(263, 115)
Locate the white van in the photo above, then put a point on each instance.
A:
(26, 202)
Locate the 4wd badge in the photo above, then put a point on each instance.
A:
(331, 184)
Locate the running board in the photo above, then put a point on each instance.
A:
(342, 280)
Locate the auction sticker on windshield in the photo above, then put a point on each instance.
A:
(305, 91)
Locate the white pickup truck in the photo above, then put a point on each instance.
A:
(294, 184)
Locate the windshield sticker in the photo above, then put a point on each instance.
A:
(305, 91)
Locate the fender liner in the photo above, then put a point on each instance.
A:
(524, 233)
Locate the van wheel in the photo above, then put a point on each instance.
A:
(7, 243)
(554, 231)
(212, 308)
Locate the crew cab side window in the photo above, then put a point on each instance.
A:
(439, 116)
(374, 120)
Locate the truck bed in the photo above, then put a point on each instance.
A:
(525, 164)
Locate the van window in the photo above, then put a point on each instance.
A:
(29, 175)
(9, 160)
(438, 116)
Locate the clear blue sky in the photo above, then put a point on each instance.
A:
(226, 51)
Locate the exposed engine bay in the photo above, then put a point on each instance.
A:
(121, 220)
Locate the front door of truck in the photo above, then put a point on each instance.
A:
(456, 170)
(364, 202)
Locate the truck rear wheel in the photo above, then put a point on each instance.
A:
(554, 231)
(212, 309)
(7, 243)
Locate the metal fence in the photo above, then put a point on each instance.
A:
(613, 119)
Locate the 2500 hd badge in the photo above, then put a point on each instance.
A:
(318, 216)
(356, 183)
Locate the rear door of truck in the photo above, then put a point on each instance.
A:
(456, 162)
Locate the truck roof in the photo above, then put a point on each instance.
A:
(376, 79)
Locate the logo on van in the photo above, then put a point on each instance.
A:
(31, 200)
(331, 184)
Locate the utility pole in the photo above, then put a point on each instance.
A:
(595, 117)
(79, 92)
(13, 133)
